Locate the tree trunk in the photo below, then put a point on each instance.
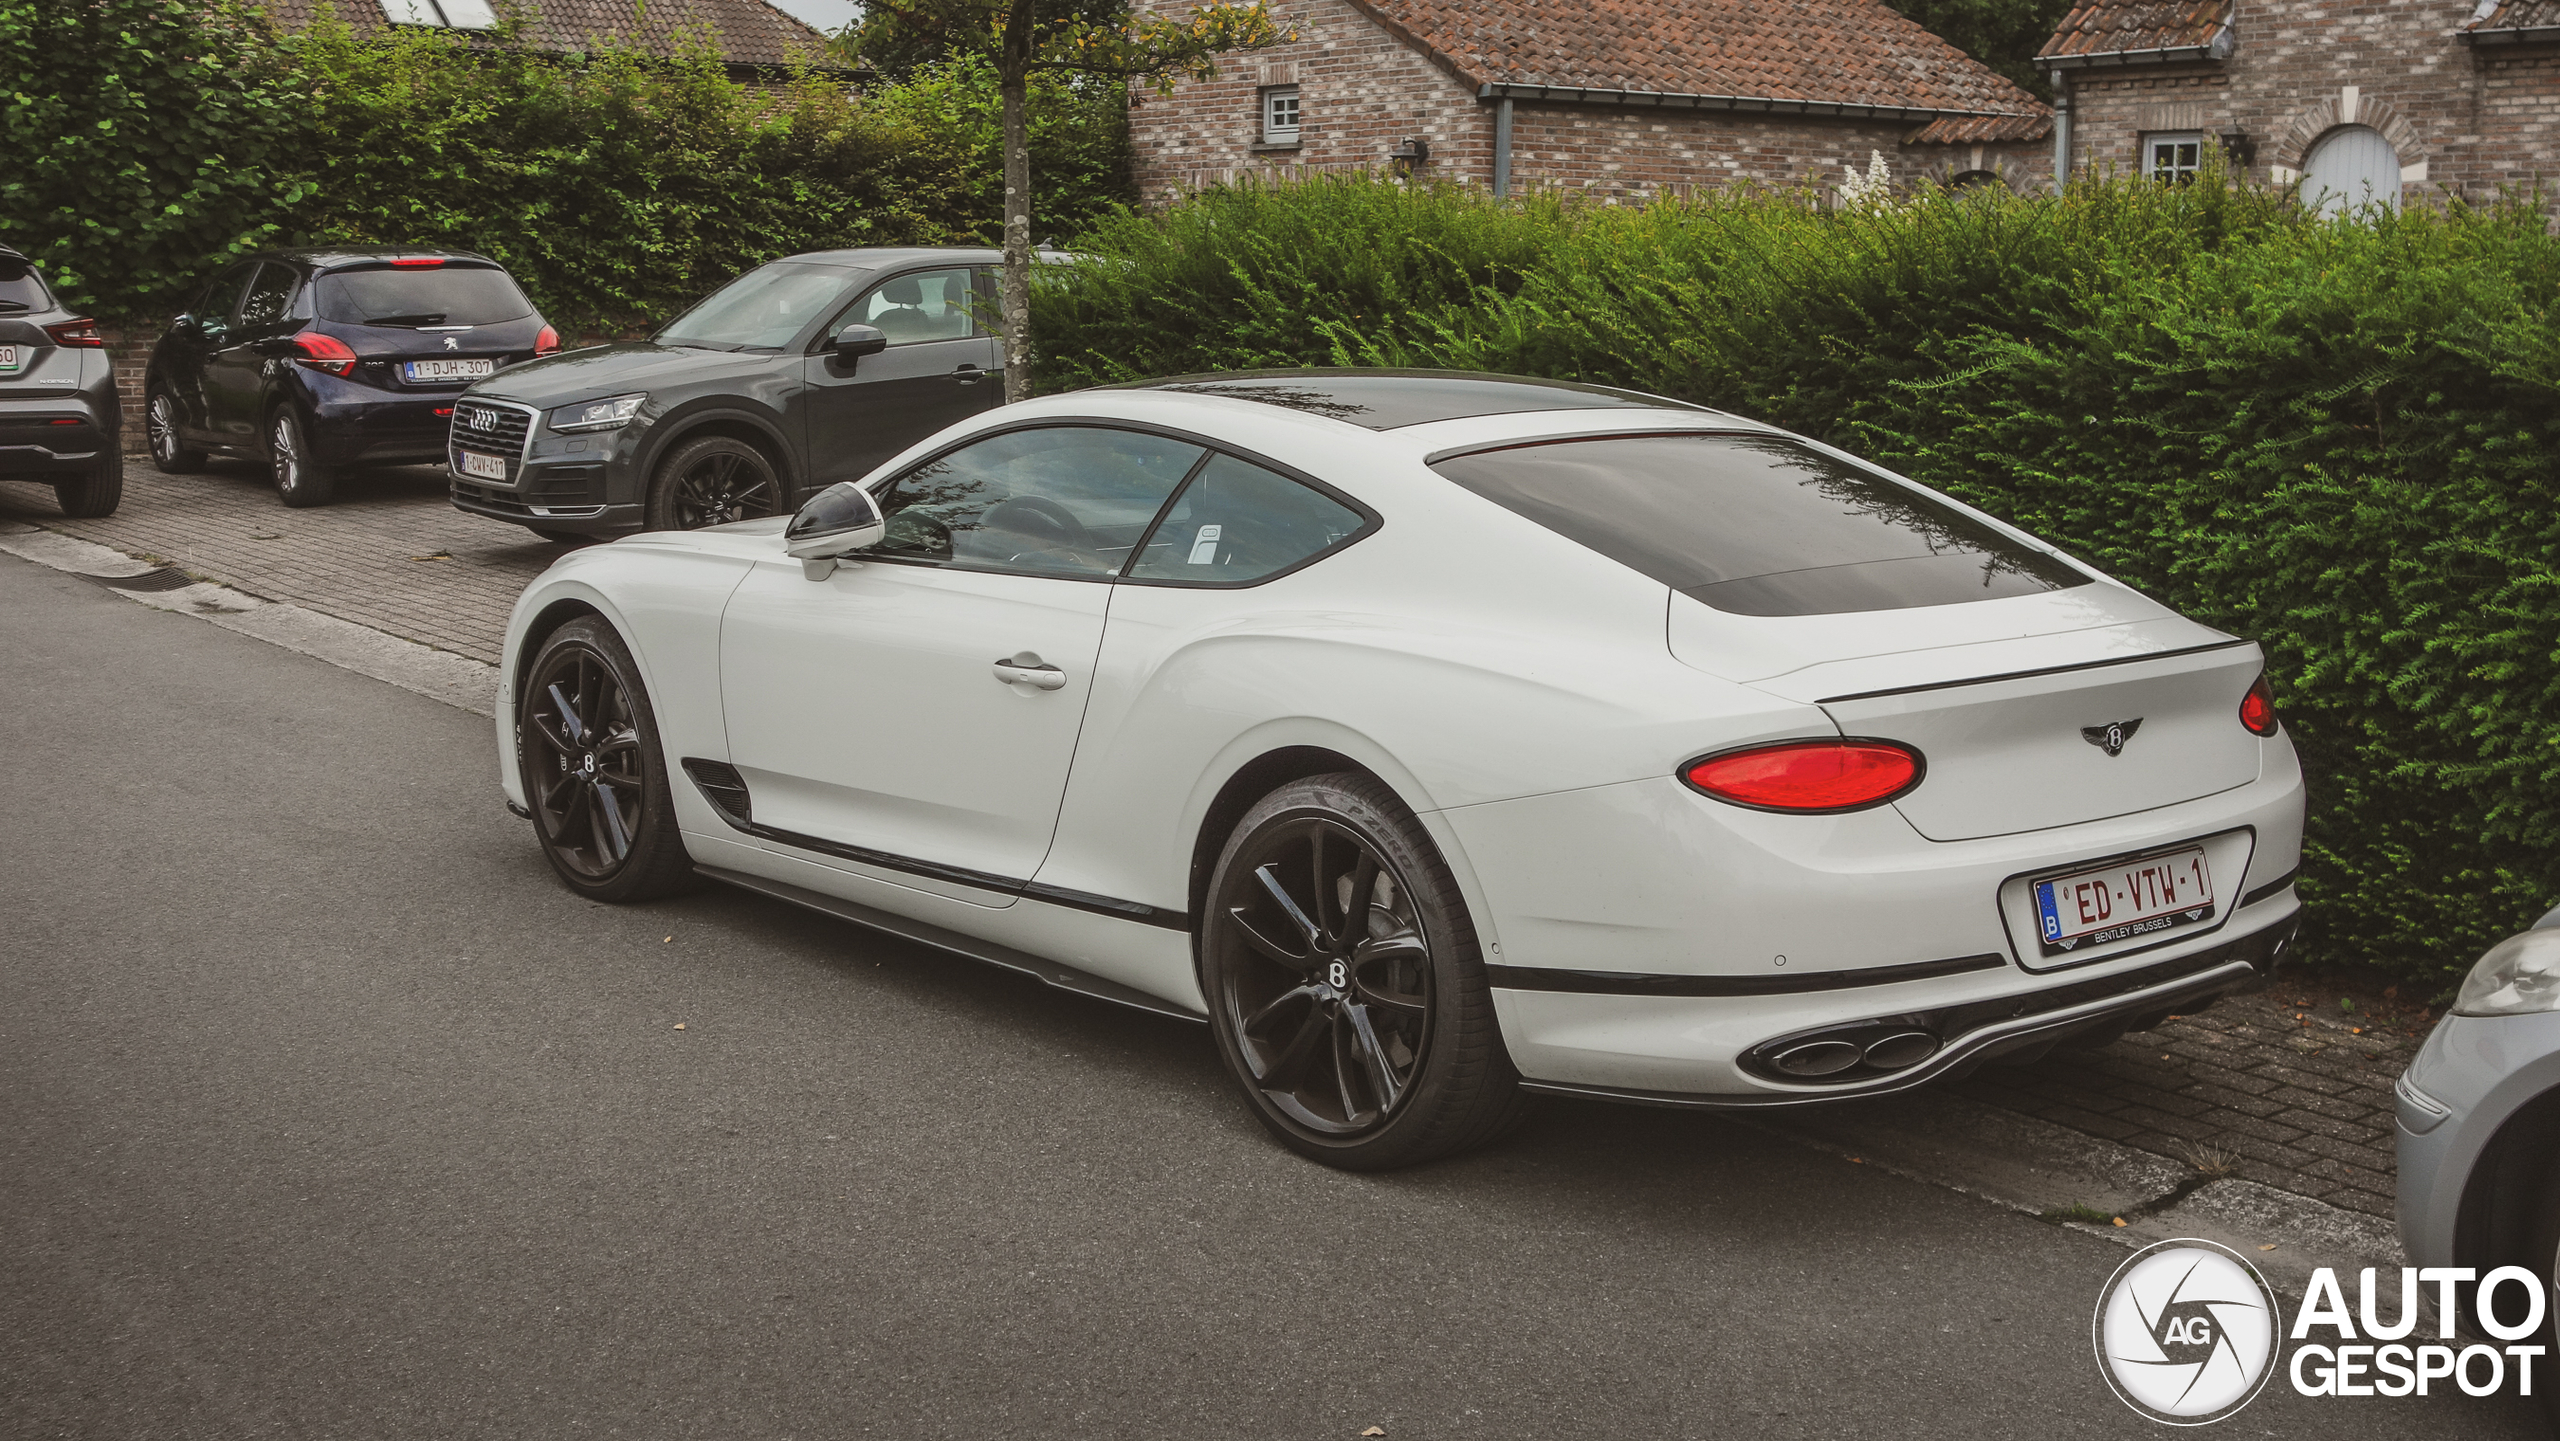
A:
(1013, 70)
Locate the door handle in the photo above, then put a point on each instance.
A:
(1028, 669)
(968, 374)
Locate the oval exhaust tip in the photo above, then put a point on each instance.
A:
(1901, 1050)
(1817, 1058)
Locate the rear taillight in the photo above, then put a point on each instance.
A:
(324, 352)
(547, 343)
(1808, 776)
(2258, 708)
(75, 334)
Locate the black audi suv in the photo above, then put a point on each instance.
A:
(60, 421)
(796, 375)
(314, 361)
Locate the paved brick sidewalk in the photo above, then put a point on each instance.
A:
(357, 559)
(2290, 1096)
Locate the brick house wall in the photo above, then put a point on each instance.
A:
(1364, 92)
(2463, 118)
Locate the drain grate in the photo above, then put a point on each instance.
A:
(166, 577)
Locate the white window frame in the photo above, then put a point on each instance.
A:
(441, 14)
(2177, 171)
(1277, 101)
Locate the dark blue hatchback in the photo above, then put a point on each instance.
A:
(314, 361)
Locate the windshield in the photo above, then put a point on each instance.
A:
(764, 309)
(451, 295)
(20, 290)
(1759, 525)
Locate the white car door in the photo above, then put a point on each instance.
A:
(916, 711)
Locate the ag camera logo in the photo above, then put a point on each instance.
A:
(2186, 1332)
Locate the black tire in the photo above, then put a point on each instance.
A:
(97, 493)
(712, 481)
(160, 416)
(586, 741)
(300, 479)
(1365, 1047)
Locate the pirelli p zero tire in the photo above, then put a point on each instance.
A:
(1345, 990)
(594, 773)
(97, 493)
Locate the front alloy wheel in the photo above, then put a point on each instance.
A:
(1343, 982)
(587, 750)
(713, 481)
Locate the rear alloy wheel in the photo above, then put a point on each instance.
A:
(168, 449)
(301, 480)
(713, 481)
(95, 494)
(594, 774)
(1345, 991)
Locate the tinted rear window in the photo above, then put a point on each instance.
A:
(20, 290)
(448, 295)
(1758, 525)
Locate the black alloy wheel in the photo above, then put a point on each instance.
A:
(168, 449)
(587, 750)
(301, 480)
(1344, 988)
(713, 481)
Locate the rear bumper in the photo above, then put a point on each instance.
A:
(355, 424)
(63, 433)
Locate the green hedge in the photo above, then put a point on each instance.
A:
(171, 134)
(2340, 439)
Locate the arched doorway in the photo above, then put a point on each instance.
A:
(2352, 167)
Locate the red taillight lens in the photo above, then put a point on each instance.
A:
(76, 334)
(324, 352)
(1827, 775)
(547, 343)
(2258, 709)
(416, 262)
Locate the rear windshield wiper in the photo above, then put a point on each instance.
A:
(427, 318)
(14, 306)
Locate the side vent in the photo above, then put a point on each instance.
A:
(721, 785)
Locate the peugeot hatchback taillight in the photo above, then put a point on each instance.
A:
(1808, 776)
(2258, 708)
(75, 335)
(547, 343)
(324, 352)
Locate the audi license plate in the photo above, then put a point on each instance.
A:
(2123, 899)
(9, 357)
(449, 369)
(485, 467)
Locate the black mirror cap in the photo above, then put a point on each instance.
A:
(839, 518)
(859, 340)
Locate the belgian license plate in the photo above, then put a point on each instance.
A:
(9, 357)
(2123, 899)
(486, 467)
(449, 369)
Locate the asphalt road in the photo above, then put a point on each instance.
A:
(327, 1113)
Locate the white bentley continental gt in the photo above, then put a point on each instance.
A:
(1434, 737)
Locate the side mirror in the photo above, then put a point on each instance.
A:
(856, 341)
(837, 521)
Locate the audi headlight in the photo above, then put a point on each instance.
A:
(596, 414)
(2520, 976)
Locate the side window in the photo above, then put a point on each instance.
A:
(222, 297)
(914, 309)
(267, 297)
(1059, 500)
(1237, 523)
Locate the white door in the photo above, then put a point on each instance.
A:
(917, 710)
(2350, 169)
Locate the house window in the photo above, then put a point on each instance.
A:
(443, 14)
(1280, 115)
(2172, 159)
